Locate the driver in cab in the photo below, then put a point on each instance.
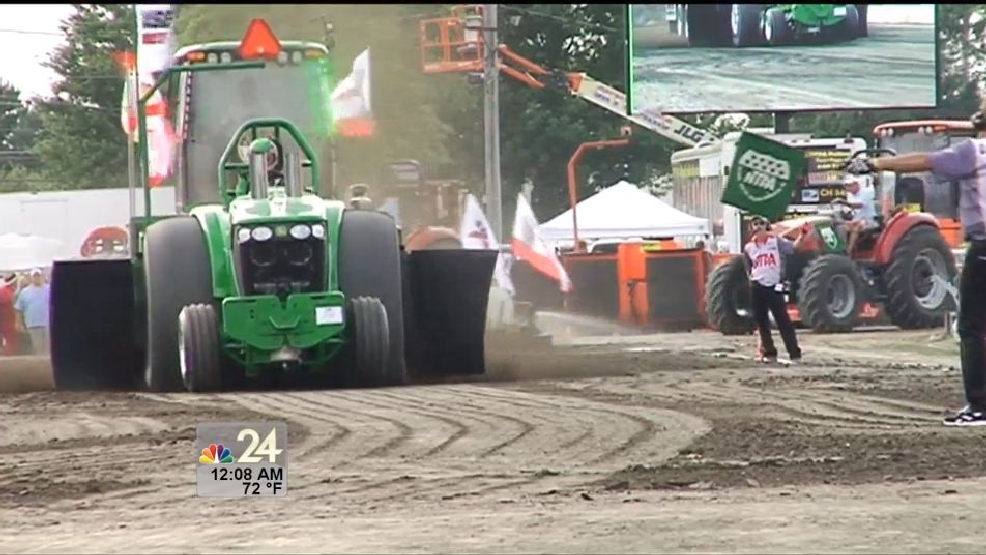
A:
(275, 167)
(861, 197)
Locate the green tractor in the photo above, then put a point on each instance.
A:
(769, 24)
(263, 272)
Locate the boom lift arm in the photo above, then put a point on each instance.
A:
(453, 44)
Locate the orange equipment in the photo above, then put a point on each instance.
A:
(919, 192)
(573, 186)
(105, 240)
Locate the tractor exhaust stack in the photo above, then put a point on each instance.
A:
(259, 180)
(293, 186)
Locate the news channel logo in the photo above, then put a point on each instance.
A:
(241, 459)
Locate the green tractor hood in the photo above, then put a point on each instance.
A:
(278, 206)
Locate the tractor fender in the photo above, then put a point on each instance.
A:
(422, 237)
(895, 229)
(216, 231)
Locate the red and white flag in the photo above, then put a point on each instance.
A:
(528, 244)
(351, 108)
(475, 233)
(161, 137)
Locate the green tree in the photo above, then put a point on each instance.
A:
(81, 144)
(404, 99)
(19, 126)
(10, 113)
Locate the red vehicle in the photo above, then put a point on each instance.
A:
(921, 192)
(428, 210)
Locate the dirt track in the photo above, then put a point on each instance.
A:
(678, 449)
(894, 66)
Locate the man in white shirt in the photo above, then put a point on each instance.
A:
(764, 256)
(862, 199)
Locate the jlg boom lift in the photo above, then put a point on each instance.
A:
(455, 45)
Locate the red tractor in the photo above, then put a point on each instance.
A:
(427, 211)
(904, 265)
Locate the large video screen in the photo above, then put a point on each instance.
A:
(688, 58)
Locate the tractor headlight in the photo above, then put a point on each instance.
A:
(243, 235)
(261, 233)
(301, 232)
(318, 231)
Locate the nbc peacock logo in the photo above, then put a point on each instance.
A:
(216, 454)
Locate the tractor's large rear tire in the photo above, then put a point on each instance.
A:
(370, 266)
(200, 348)
(849, 28)
(177, 273)
(747, 24)
(863, 30)
(727, 299)
(830, 294)
(912, 302)
(93, 343)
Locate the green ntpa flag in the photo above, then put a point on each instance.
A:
(763, 176)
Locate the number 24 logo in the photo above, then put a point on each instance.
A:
(257, 450)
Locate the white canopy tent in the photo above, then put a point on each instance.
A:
(623, 211)
(24, 252)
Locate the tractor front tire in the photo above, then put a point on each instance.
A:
(177, 273)
(905, 309)
(727, 293)
(369, 265)
(370, 338)
(200, 348)
(822, 312)
(777, 29)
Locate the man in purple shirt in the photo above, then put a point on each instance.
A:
(964, 162)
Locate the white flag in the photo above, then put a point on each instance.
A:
(475, 233)
(528, 244)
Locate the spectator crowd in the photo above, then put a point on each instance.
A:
(24, 301)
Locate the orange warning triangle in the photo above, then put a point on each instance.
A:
(259, 41)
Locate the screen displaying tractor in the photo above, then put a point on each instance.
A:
(904, 265)
(266, 278)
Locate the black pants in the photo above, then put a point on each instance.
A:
(972, 324)
(767, 301)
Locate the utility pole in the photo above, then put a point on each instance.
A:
(491, 119)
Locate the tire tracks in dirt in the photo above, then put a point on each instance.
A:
(812, 405)
(388, 444)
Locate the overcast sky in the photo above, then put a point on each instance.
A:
(28, 33)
